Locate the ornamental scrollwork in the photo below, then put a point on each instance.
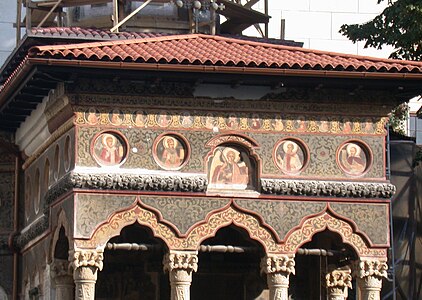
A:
(326, 221)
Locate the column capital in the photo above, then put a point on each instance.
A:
(181, 260)
(60, 268)
(337, 282)
(369, 274)
(339, 278)
(276, 263)
(86, 258)
(370, 267)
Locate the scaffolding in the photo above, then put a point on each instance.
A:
(192, 15)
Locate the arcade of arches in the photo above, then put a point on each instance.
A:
(231, 254)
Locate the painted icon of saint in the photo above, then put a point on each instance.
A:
(141, 118)
(228, 170)
(173, 154)
(232, 122)
(347, 126)
(278, 124)
(368, 126)
(324, 125)
(352, 159)
(116, 117)
(210, 121)
(108, 150)
(255, 122)
(91, 116)
(289, 157)
(163, 120)
(170, 152)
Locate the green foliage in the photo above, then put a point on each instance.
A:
(418, 157)
(398, 117)
(399, 25)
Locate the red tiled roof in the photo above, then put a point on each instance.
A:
(200, 49)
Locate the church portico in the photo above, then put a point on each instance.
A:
(179, 246)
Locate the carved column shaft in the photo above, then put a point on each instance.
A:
(180, 265)
(86, 264)
(62, 279)
(85, 278)
(370, 287)
(369, 274)
(278, 269)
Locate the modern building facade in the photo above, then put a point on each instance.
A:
(194, 166)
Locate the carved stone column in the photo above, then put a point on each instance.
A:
(86, 264)
(180, 265)
(63, 280)
(278, 269)
(369, 274)
(337, 282)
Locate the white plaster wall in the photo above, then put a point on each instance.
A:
(316, 23)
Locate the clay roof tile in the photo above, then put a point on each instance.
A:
(218, 50)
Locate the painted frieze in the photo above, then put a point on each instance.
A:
(223, 121)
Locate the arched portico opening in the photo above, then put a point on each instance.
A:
(133, 267)
(314, 260)
(229, 267)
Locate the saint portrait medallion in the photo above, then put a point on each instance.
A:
(353, 158)
(290, 156)
(171, 151)
(109, 149)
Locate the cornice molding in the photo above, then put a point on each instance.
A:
(106, 181)
(327, 188)
(36, 229)
(199, 183)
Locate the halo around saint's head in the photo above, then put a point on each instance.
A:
(295, 146)
(234, 151)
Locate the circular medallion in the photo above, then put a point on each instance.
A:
(353, 158)
(109, 149)
(171, 151)
(290, 156)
